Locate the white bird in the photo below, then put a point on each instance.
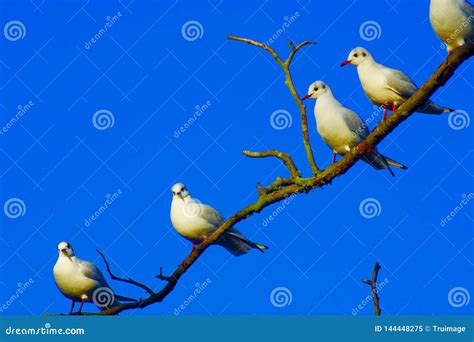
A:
(81, 281)
(341, 128)
(386, 87)
(196, 221)
(453, 22)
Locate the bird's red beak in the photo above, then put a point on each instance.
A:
(306, 97)
(346, 62)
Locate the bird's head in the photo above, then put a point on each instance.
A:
(316, 89)
(180, 191)
(357, 56)
(65, 249)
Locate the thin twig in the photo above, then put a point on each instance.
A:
(289, 83)
(284, 157)
(125, 280)
(294, 50)
(373, 285)
(161, 276)
(260, 45)
(304, 185)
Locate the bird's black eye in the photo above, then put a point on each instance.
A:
(364, 54)
(324, 87)
(315, 88)
(356, 55)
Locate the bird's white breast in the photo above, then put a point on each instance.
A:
(332, 126)
(71, 282)
(374, 83)
(186, 217)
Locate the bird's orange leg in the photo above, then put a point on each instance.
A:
(80, 307)
(72, 307)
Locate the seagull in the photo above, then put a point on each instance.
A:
(342, 129)
(196, 221)
(387, 87)
(452, 21)
(81, 281)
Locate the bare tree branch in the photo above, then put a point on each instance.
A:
(284, 157)
(284, 188)
(373, 285)
(289, 83)
(125, 280)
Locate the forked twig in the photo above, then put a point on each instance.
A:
(373, 285)
(125, 280)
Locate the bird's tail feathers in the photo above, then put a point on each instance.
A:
(432, 108)
(261, 247)
(238, 245)
(394, 163)
(379, 162)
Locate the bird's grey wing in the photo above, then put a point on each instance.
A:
(211, 215)
(355, 124)
(91, 271)
(400, 83)
(468, 9)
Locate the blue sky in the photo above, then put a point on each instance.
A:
(151, 78)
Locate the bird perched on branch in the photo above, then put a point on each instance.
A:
(196, 221)
(341, 128)
(81, 281)
(387, 87)
(453, 22)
